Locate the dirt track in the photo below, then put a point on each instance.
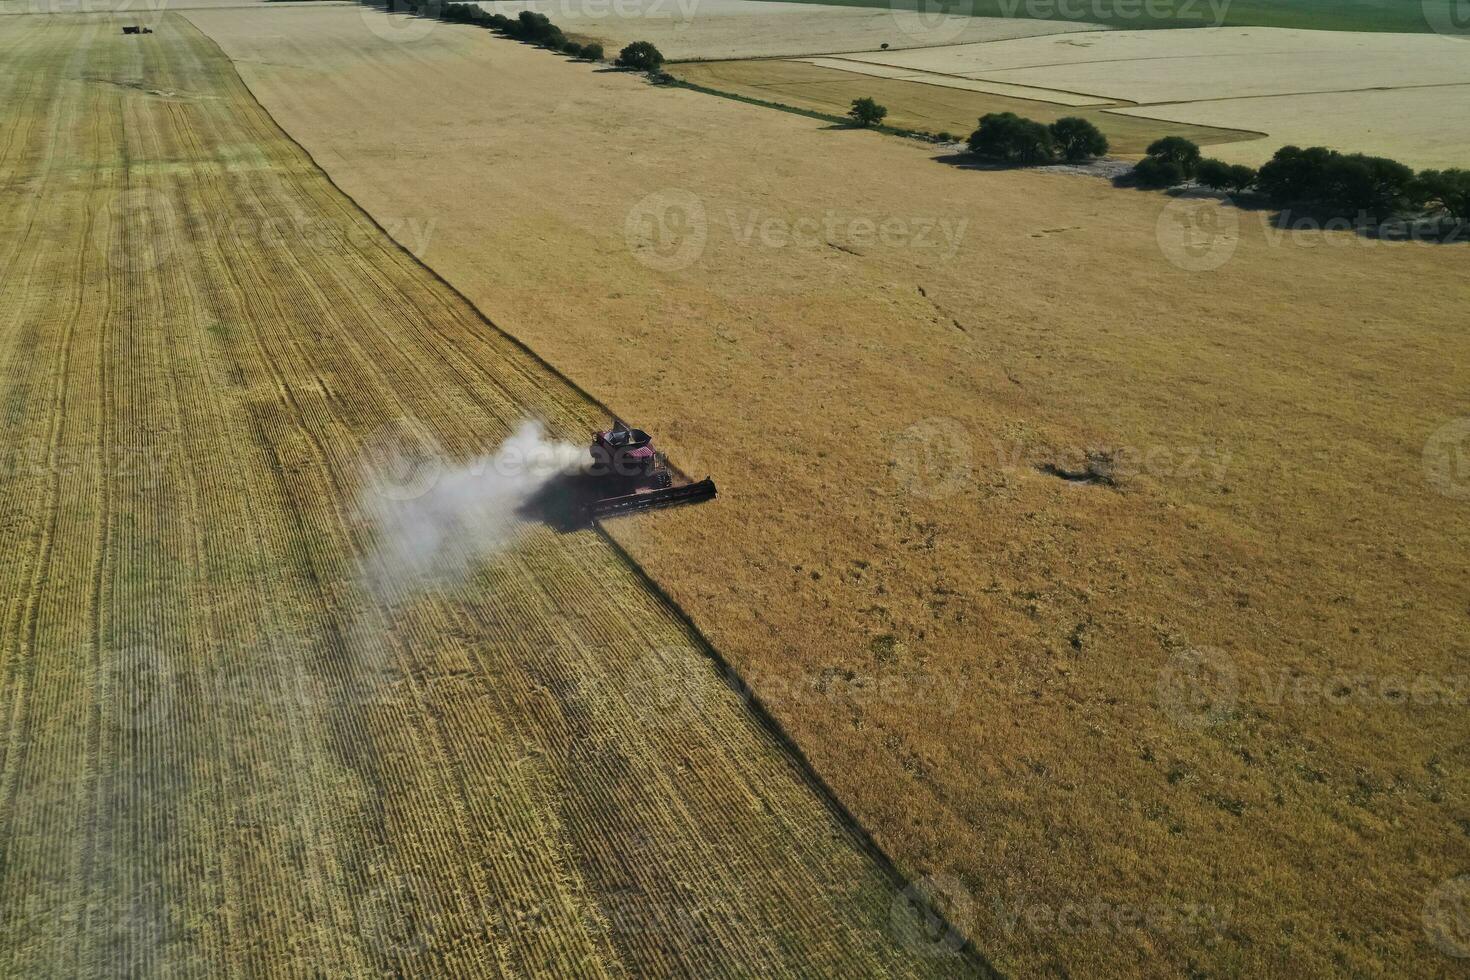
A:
(222, 754)
(974, 651)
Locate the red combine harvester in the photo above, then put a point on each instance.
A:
(631, 475)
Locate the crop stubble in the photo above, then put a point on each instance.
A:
(222, 753)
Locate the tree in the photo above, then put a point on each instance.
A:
(1448, 189)
(1160, 172)
(531, 26)
(1177, 150)
(592, 52)
(1371, 186)
(866, 112)
(640, 56)
(572, 48)
(1348, 184)
(1293, 174)
(1221, 176)
(1077, 139)
(1006, 136)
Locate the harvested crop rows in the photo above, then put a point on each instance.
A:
(222, 752)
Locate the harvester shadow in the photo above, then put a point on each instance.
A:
(563, 503)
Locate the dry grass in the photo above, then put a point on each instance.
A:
(1273, 507)
(923, 107)
(223, 755)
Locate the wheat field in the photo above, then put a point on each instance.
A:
(229, 747)
(975, 653)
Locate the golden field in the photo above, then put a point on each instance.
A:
(925, 107)
(243, 733)
(1385, 94)
(698, 29)
(1204, 714)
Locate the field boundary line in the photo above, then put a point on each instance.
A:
(755, 706)
(802, 763)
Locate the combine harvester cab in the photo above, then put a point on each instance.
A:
(632, 475)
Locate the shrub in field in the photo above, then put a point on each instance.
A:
(1448, 189)
(1372, 186)
(1221, 176)
(572, 48)
(866, 112)
(534, 27)
(1346, 184)
(640, 56)
(1077, 139)
(1157, 172)
(592, 52)
(1293, 174)
(1006, 136)
(1177, 150)
(944, 136)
